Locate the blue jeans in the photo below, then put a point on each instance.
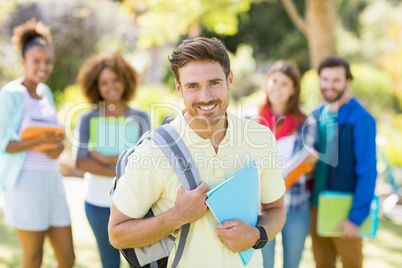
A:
(98, 218)
(294, 233)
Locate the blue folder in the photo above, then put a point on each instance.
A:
(238, 197)
(112, 135)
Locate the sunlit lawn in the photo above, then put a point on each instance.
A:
(84, 242)
(384, 251)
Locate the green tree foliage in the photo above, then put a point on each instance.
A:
(167, 21)
(7, 66)
(5, 8)
(378, 41)
(243, 65)
(390, 126)
(310, 94)
(267, 28)
(349, 13)
(79, 28)
(373, 87)
(391, 58)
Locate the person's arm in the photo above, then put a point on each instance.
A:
(104, 159)
(55, 153)
(80, 152)
(90, 165)
(239, 236)
(45, 138)
(126, 232)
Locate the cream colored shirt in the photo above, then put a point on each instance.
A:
(150, 181)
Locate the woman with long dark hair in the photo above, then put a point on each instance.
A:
(280, 112)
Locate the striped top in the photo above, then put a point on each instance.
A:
(38, 111)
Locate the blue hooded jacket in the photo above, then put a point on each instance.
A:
(355, 170)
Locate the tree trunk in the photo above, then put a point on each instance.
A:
(154, 74)
(318, 27)
(320, 19)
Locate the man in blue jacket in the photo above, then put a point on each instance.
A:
(346, 143)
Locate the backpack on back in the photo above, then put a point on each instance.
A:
(156, 255)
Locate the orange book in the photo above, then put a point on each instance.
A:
(39, 129)
(298, 165)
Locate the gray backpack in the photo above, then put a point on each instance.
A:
(168, 139)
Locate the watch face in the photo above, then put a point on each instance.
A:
(263, 240)
(262, 243)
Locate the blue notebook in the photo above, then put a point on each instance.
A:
(112, 135)
(238, 197)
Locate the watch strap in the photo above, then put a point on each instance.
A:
(263, 239)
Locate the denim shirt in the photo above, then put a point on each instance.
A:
(11, 103)
(306, 136)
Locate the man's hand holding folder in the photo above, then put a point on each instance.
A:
(348, 228)
(237, 235)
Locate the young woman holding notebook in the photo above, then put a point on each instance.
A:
(109, 83)
(35, 202)
(281, 113)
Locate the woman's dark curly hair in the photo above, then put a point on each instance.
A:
(31, 34)
(89, 74)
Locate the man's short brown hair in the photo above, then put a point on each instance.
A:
(199, 49)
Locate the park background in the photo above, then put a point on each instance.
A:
(368, 33)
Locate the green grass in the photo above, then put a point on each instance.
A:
(10, 251)
(84, 242)
(385, 251)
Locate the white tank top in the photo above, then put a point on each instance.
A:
(38, 111)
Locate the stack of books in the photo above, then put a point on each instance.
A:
(297, 166)
(38, 128)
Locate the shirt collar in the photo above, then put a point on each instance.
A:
(234, 130)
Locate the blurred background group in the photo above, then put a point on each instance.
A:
(368, 33)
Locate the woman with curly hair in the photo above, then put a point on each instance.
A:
(35, 202)
(109, 82)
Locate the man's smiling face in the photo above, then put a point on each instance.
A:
(205, 92)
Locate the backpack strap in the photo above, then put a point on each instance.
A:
(167, 119)
(123, 157)
(180, 158)
(178, 154)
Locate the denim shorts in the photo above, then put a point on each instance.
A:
(37, 202)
